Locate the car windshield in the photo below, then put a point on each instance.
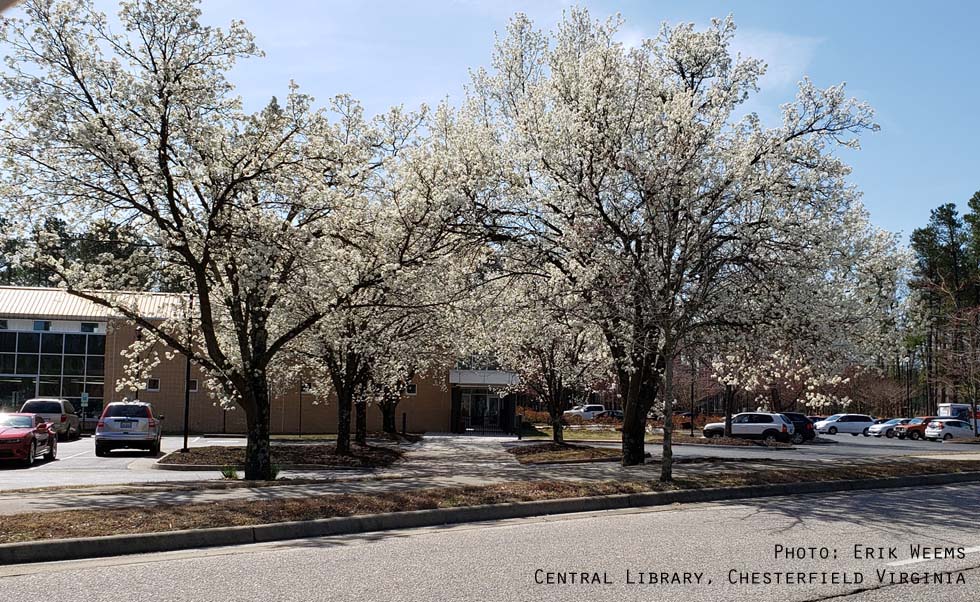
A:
(834, 417)
(126, 411)
(893, 421)
(916, 421)
(19, 422)
(42, 407)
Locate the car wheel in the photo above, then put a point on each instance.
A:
(914, 435)
(890, 433)
(797, 438)
(832, 430)
(52, 450)
(100, 450)
(947, 437)
(865, 432)
(769, 437)
(31, 454)
(155, 448)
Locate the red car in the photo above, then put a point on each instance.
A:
(24, 437)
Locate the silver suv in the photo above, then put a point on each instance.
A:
(129, 424)
(59, 412)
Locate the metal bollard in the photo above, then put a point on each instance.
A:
(404, 423)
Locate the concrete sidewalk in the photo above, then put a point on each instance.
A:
(434, 462)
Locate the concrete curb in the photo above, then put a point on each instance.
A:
(118, 545)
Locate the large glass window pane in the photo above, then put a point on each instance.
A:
(95, 365)
(52, 343)
(14, 392)
(71, 386)
(94, 389)
(26, 364)
(7, 363)
(49, 386)
(28, 342)
(8, 342)
(96, 344)
(51, 364)
(74, 364)
(75, 344)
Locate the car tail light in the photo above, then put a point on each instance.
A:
(64, 417)
(939, 425)
(152, 423)
(809, 426)
(100, 425)
(784, 428)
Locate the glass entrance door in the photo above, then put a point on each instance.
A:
(481, 409)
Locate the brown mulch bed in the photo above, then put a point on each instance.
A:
(95, 522)
(556, 452)
(368, 456)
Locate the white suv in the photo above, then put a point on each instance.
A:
(855, 424)
(128, 424)
(586, 412)
(754, 425)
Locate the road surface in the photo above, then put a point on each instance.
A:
(707, 545)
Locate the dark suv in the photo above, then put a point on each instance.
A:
(802, 427)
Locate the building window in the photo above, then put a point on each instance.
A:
(89, 326)
(411, 389)
(42, 325)
(3, 325)
(153, 384)
(192, 385)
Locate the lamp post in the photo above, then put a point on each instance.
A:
(187, 373)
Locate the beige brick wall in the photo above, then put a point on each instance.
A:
(292, 412)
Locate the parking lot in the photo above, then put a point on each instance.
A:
(77, 464)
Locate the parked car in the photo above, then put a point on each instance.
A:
(58, 412)
(915, 429)
(949, 428)
(754, 425)
(887, 428)
(129, 424)
(855, 424)
(610, 414)
(802, 427)
(24, 437)
(586, 412)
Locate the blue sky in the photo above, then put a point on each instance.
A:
(917, 63)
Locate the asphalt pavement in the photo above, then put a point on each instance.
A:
(703, 552)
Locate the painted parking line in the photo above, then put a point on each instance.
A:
(918, 560)
(75, 455)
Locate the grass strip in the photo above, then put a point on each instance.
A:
(169, 517)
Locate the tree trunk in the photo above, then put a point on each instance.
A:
(258, 455)
(360, 422)
(729, 402)
(557, 433)
(388, 423)
(634, 433)
(344, 402)
(667, 461)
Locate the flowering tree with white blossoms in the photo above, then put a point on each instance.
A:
(141, 128)
(530, 325)
(634, 176)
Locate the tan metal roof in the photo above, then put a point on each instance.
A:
(58, 304)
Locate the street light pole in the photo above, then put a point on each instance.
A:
(187, 372)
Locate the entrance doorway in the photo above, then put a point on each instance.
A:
(481, 409)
